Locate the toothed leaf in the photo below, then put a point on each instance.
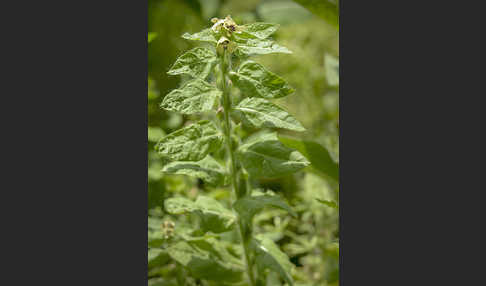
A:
(259, 113)
(191, 143)
(255, 81)
(197, 62)
(214, 217)
(208, 169)
(195, 96)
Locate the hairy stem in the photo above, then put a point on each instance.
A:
(226, 103)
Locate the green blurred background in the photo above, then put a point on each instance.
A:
(309, 29)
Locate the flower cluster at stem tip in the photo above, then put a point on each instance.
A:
(225, 28)
(168, 229)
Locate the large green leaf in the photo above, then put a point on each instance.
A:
(258, 113)
(197, 62)
(326, 9)
(205, 35)
(255, 81)
(208, 169)
(249, 47)
(195, 96)
(214, 217)
(319, 157)
(191, 143)
(258, 30)
(204, 264)
(269, 256)
(264, 156)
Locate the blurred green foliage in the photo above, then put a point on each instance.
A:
(311, 239)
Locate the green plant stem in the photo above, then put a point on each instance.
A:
(233, 171)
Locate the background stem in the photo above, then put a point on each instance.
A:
(224, 64)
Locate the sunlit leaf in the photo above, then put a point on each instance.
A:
(264, 156)
(255, 81)
(205, 35)
(249, 47)
(208, 169)
(197, 62)
(259, 113)
(258, 30)
(191, 143)
(195, 96)
(214, 217)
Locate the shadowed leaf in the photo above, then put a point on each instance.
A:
(264, 156)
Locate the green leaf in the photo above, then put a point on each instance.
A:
(248, 206)
(197, 62)
(264, 156)
(214, 217)
(331, 66)
(286, 12)
(254, 80)
(208, 169)
(328, 203)
(195, 96)
(151, 37)
(191, 143)
(156, 257)
(259, 113)
(204, 264)
(215, 247)
(269, 256)
(155, 233)
(319, 156)
(249, 47)
(326, 9)
(258, 30)
(205, 35)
